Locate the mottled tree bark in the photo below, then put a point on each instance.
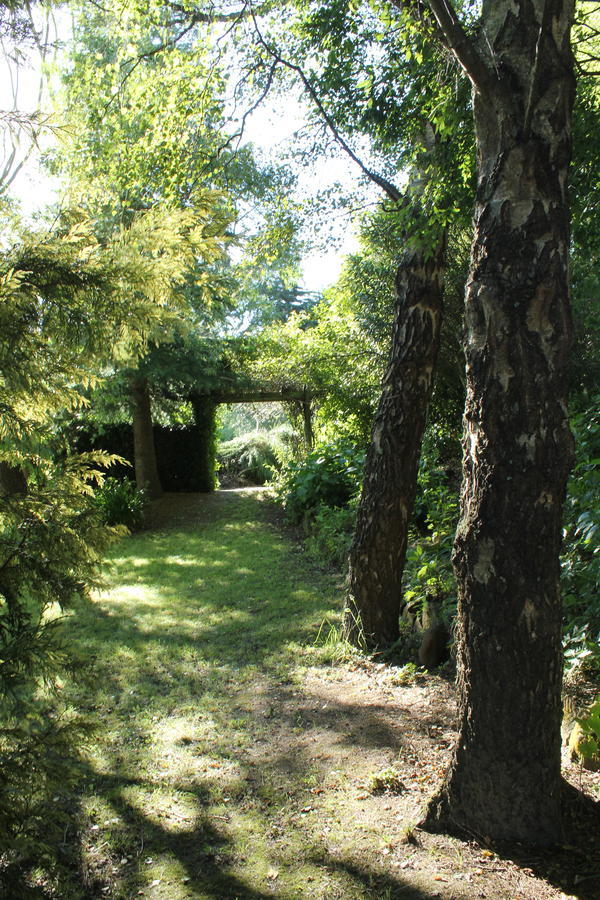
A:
(146, 471)
(504, 780)
(378, 552)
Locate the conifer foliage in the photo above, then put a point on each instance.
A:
(69, 305)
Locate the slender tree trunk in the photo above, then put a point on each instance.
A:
(146, 471)
(309, 436)
(205, 417)
(378, 552)
(504, 781)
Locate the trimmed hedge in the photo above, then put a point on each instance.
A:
(180, 452)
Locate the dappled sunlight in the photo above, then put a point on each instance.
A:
(138, 595)
(208, 754)
(180, 561)
(171, 810)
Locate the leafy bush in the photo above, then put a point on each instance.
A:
(251, 457)
(428, 569)
(121, 503)
(331, 530)
(51, 541)
(580, 560)
(329, 476)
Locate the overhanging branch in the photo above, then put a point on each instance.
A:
(390, 189)
(455, 38)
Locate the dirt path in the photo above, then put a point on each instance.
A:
(238, 762)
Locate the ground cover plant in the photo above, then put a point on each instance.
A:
(121, 503)
(233, 759)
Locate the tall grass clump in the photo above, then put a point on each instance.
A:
(121, 503)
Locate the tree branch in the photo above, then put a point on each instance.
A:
(390, 189)
(457, 40)
(240, 132)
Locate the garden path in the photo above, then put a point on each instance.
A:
(243, 752)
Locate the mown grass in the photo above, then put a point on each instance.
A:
(195, 640)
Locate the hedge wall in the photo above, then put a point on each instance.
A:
(180, 454)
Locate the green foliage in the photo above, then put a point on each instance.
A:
(407, 674)
(329, 475)
(332, 647)
(340, 349)
(329, 351)
(580, 559)
(588, 745)
(121, 503)
(428, 569)
(51, 542)
(70, 305)
(147, 126)
(584, 187)
(205, 417)
(330, 533)
(254, 456)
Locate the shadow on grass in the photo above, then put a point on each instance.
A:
(206, 857)
(193, 648)
(194, 655)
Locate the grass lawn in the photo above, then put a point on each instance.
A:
(199, 625)
(231, 759)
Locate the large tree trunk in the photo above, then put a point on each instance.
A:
(146, 471)
(504, 780)
(371, 617)
(205, 417)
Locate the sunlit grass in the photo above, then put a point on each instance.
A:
(194, 630)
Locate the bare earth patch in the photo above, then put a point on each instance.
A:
(258, 771)
(350, 724)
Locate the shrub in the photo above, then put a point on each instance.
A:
(580, 559)
(121, 503)
(251, 457)
(331, 530)
(329, 476)
(51, 544)
(428, 570)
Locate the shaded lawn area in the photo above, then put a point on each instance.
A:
(231, 760)
(196, 620)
